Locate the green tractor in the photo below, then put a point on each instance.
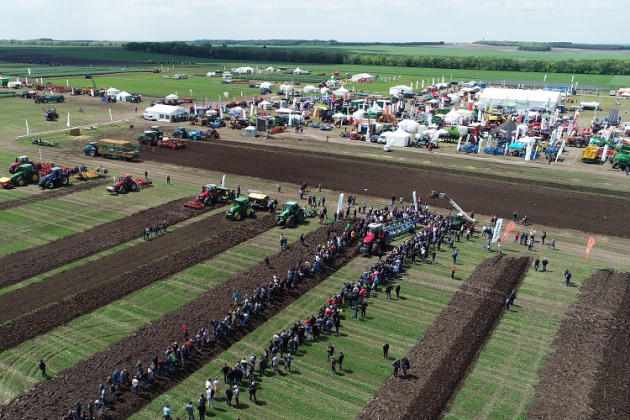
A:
(622, 158)
(240, 209)
(291, 213)
(24, 174)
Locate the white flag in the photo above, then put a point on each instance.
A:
(27, 131)
(68, 124)
(604, 153)
(497, 230)
(29, 71)
(415, 200)
(67, 83)
(223, 181)
(110, 115)
(340, 203)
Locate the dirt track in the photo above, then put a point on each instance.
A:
(587, 376)
(76, 186)
(51, 399)
(545, 203)
(33, 261)
(442, 358)
(113, 277)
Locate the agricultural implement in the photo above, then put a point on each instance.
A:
(56, 178)
(377, 239)
(291, 213)
(258, 200)
(40, 142)
(240, 209)
(458, 220)
(125, 183)
(171, 143)
(93, 174)
(23, 175)
(210, 193)
(51, 114)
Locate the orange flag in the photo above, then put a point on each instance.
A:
(508, 229)
(589, 245)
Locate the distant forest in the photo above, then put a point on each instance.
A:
(289, 55)
(297, 42)
(538, 46)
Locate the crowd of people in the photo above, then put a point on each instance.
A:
(155, 230)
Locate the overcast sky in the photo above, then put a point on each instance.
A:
(368, 20)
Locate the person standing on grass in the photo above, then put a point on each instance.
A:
(190, 410)
(340, 360)
(567, 277)
(217, 387)
(385, 350)
(552, 245)
(252, 391)
(42, 367)
(201, 408)
(237, 395)
(228, 395)
(453, 272)
(396, 365)
(363, 309)
(405, 366)
(330, 350)
(167, 412)
(168, 179)
(398, 291)
(333, 363)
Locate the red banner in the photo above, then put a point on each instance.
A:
(508, 229)
(589, 245)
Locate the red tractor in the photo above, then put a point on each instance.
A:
(125, 183)
(376, 239)
(20, 160)
(210, 194)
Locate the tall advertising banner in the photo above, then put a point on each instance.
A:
(497, 231)
(340, 203)
(415, 201)
(508, 229)
(589, 245)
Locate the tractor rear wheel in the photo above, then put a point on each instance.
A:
(238, 216)
(64, 180)
(123, 190)
(615, 165)
(219, 198)
(290, 221)
(134, 186)
(376, 248)
(300, 216)
(207, 201)
(386, 241)
(20, 182)
(249, 212)
(50, 185)
(92, 152)
(34, 177)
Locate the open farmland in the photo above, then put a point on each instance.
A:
(83, 290)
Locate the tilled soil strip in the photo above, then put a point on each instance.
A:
(52, 398)
(545, 203)
(586, 378)
(128, 276)
(96, 274)
(56, 193)
(444, 355)
(34, 261)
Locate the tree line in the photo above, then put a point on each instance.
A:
(586, 66)
(50, 41)
(298, 42)
(536, 46)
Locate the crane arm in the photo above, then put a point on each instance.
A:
(459, 210)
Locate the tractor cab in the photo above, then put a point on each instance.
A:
(376, 231)
(241, 202)
(376, 239)
(125, 178)
(291, 206)
(22, 160)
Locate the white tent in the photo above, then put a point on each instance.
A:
(398, 138)
(123, 96)
(243, 70)
(359, 114)
(270, 69)
(211, 74)
(266, 85)
(264, 105)
(165, 113)
(454, 98)
(409, 126)
(286, 111)
(362, 76)
(452, 117)
(324, 90)
(340, 116)
(395, 90)
(309, 89)
(300, 71)
(341, 91)
(172, 97)
(112, 91)
(249, 131)
(286, 88)
(521, 99)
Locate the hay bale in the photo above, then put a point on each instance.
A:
(75, 131)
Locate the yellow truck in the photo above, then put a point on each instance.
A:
(116, 149)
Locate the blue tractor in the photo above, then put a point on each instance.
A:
(55, 178)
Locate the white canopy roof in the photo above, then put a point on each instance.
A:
(341, 91)
(520, 98)
(266, 85)
(112, 91)
(299, 71)
(165, 109)
(409, 125)
(359, 114)
(361, 76)
(172, 97)
(285, 88)
(243, 70)
(286, 111)
(309, 88)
